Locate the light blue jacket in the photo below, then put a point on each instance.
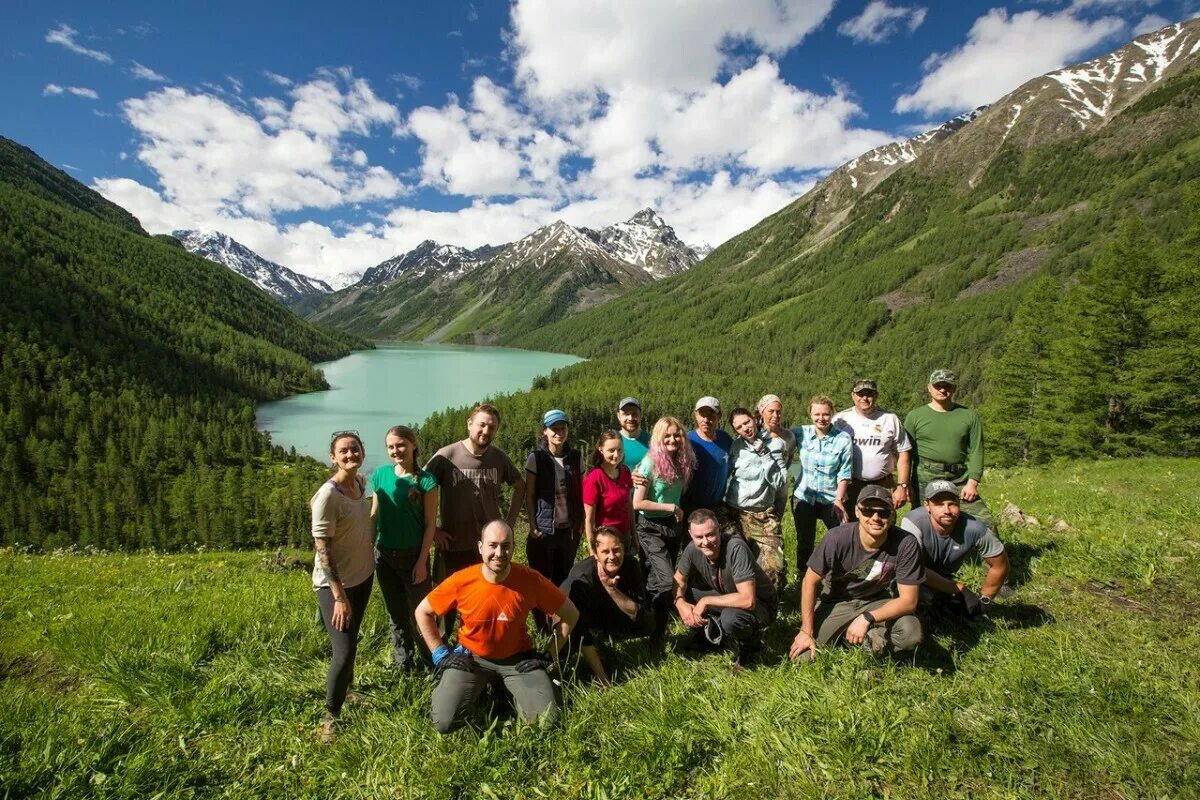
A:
(756, 479)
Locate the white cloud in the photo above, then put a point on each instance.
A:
(759, 121)
(211, 157)
(1001, 53)
(1079, 5)
(145, 73)
(488, 148)
(277, 79)
(65, 35)
(587, 46)
(52, 89)
(1150, 22)
(410, 82)
(880, 21)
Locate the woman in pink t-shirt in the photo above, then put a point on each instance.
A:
(608, 492)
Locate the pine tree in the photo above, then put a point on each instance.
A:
(1020, 381)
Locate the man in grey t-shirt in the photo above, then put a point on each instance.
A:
(469, 474)
(720, 591)
(859, 562)
(948, 536)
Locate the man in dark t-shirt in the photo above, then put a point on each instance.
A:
(609, 590)
(720, 590)
(858, 563)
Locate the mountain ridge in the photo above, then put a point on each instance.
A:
(280, 282)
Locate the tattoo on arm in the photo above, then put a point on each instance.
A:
(325, 558)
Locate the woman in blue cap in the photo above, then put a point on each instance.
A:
(554, 500)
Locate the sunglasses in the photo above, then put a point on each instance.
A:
(339, 434)
(867, 393)
(874, 511)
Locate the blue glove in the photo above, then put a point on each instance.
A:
(439, 655)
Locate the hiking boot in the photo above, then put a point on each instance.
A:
(328, 730)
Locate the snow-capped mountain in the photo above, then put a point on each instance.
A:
(438, 291)
(344, 279)
(429, 256)
(275, 279)
(644, 239)
(1058, 105)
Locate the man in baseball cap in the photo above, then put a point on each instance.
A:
(948, 440)
(634, 440)
(948, 536)
(711, 446)
(858, 563)
(881, 446)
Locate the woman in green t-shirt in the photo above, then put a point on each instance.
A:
(667, 468)
(404, 505)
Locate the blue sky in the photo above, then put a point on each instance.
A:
(329, 137)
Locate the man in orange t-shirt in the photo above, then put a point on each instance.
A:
(493, 600)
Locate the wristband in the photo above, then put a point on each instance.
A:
(439, 655)
(869, 617)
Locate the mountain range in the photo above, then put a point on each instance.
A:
(274, 279)
(912, 256)
(440, 292)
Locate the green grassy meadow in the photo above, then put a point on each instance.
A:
(202, 674)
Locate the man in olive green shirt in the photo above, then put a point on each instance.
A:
(948, 439)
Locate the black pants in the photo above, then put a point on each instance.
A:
(661, 541)
(738, 626)
(345, 643)
(552, 556)
(805, 514)
(393, 569)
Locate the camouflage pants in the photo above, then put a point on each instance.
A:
(956, 474)
(762, 531)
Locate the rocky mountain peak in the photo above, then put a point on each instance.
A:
(277, 280)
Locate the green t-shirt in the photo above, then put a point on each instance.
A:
(951, 437)
(400, 525)
(659, 491)
(635, 449)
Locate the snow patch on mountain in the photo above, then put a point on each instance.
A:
(275, 279)
(450, 261)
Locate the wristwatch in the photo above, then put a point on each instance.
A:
(869, 617)
(903, 485)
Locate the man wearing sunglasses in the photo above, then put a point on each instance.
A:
(858, 562)
(881, 446)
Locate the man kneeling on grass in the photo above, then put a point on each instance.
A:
(948, 535)
(494, 600)
(858, 562)
(720, 590)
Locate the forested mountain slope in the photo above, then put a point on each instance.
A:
(927, 266)
(129, 369)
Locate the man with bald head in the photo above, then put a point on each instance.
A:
(494, 600)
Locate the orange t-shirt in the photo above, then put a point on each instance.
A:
(494, 614)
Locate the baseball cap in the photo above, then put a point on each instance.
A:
(629, 401)
(943, 376)
(934, 488)
(708, 401)
(864, 383)
(876, 494)
(553, 416)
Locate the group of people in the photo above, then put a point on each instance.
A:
(675, 522)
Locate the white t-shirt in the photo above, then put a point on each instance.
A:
(878, 439)
(348, 526)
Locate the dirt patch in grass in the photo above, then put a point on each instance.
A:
(1053, 218)
(1013, 268)
(900, 299)
(38, 668)
(1112, 593)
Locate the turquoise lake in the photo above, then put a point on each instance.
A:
(398, 384)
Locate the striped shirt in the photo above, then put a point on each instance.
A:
(826, 460)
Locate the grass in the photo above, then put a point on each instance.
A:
(202, 675)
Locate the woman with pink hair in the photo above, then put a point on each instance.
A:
(668, 468)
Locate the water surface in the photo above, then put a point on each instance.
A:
(398, 384)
